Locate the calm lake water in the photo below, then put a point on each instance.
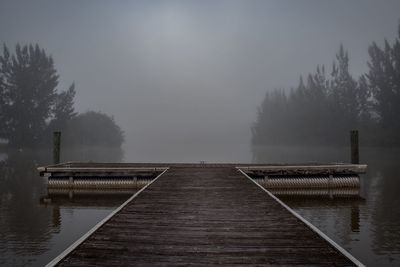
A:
(369, 226)
(33, 233)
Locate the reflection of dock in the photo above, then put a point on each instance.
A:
(205, 214)
(317, 193)
(85, 198)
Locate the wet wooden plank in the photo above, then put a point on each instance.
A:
(204, 216)
(318, 169)
(270, 169)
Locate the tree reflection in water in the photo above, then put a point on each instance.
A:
(32, 232)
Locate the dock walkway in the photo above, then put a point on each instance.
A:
(196, 215)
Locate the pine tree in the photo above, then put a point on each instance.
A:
(364, 104)
(343, 95)
(318, 107)
(29, 91)
(63, 109)
(2, 107)
(381, 83)
(272, 119)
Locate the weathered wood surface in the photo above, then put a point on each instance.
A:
(204, 216)
(96, 170)
(317, 169)
(91, 168)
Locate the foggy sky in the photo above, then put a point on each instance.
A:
(183, 79)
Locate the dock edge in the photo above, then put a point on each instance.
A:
(74, 245)
(307, 223)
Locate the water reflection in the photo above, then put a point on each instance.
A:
(316, 194)
(21, 219)
(86, 197)
(34, 232)
(382, 188)
(369, 227)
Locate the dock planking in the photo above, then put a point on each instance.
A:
(204, 215)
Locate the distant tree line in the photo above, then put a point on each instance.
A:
(324, 107)
(31, 107)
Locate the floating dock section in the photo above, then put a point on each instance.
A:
(205, 214)
(333, 180)
(106, 176)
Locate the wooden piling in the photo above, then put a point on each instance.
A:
(354, 147)
(56, 147)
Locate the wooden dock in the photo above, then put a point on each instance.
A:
(204, 215)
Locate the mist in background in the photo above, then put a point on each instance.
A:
(183, 79)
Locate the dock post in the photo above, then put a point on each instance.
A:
(56, 147)
(354, 147)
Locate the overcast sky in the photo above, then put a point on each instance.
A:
(183, 79)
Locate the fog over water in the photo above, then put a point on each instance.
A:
(194, 81)
(184, 78)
